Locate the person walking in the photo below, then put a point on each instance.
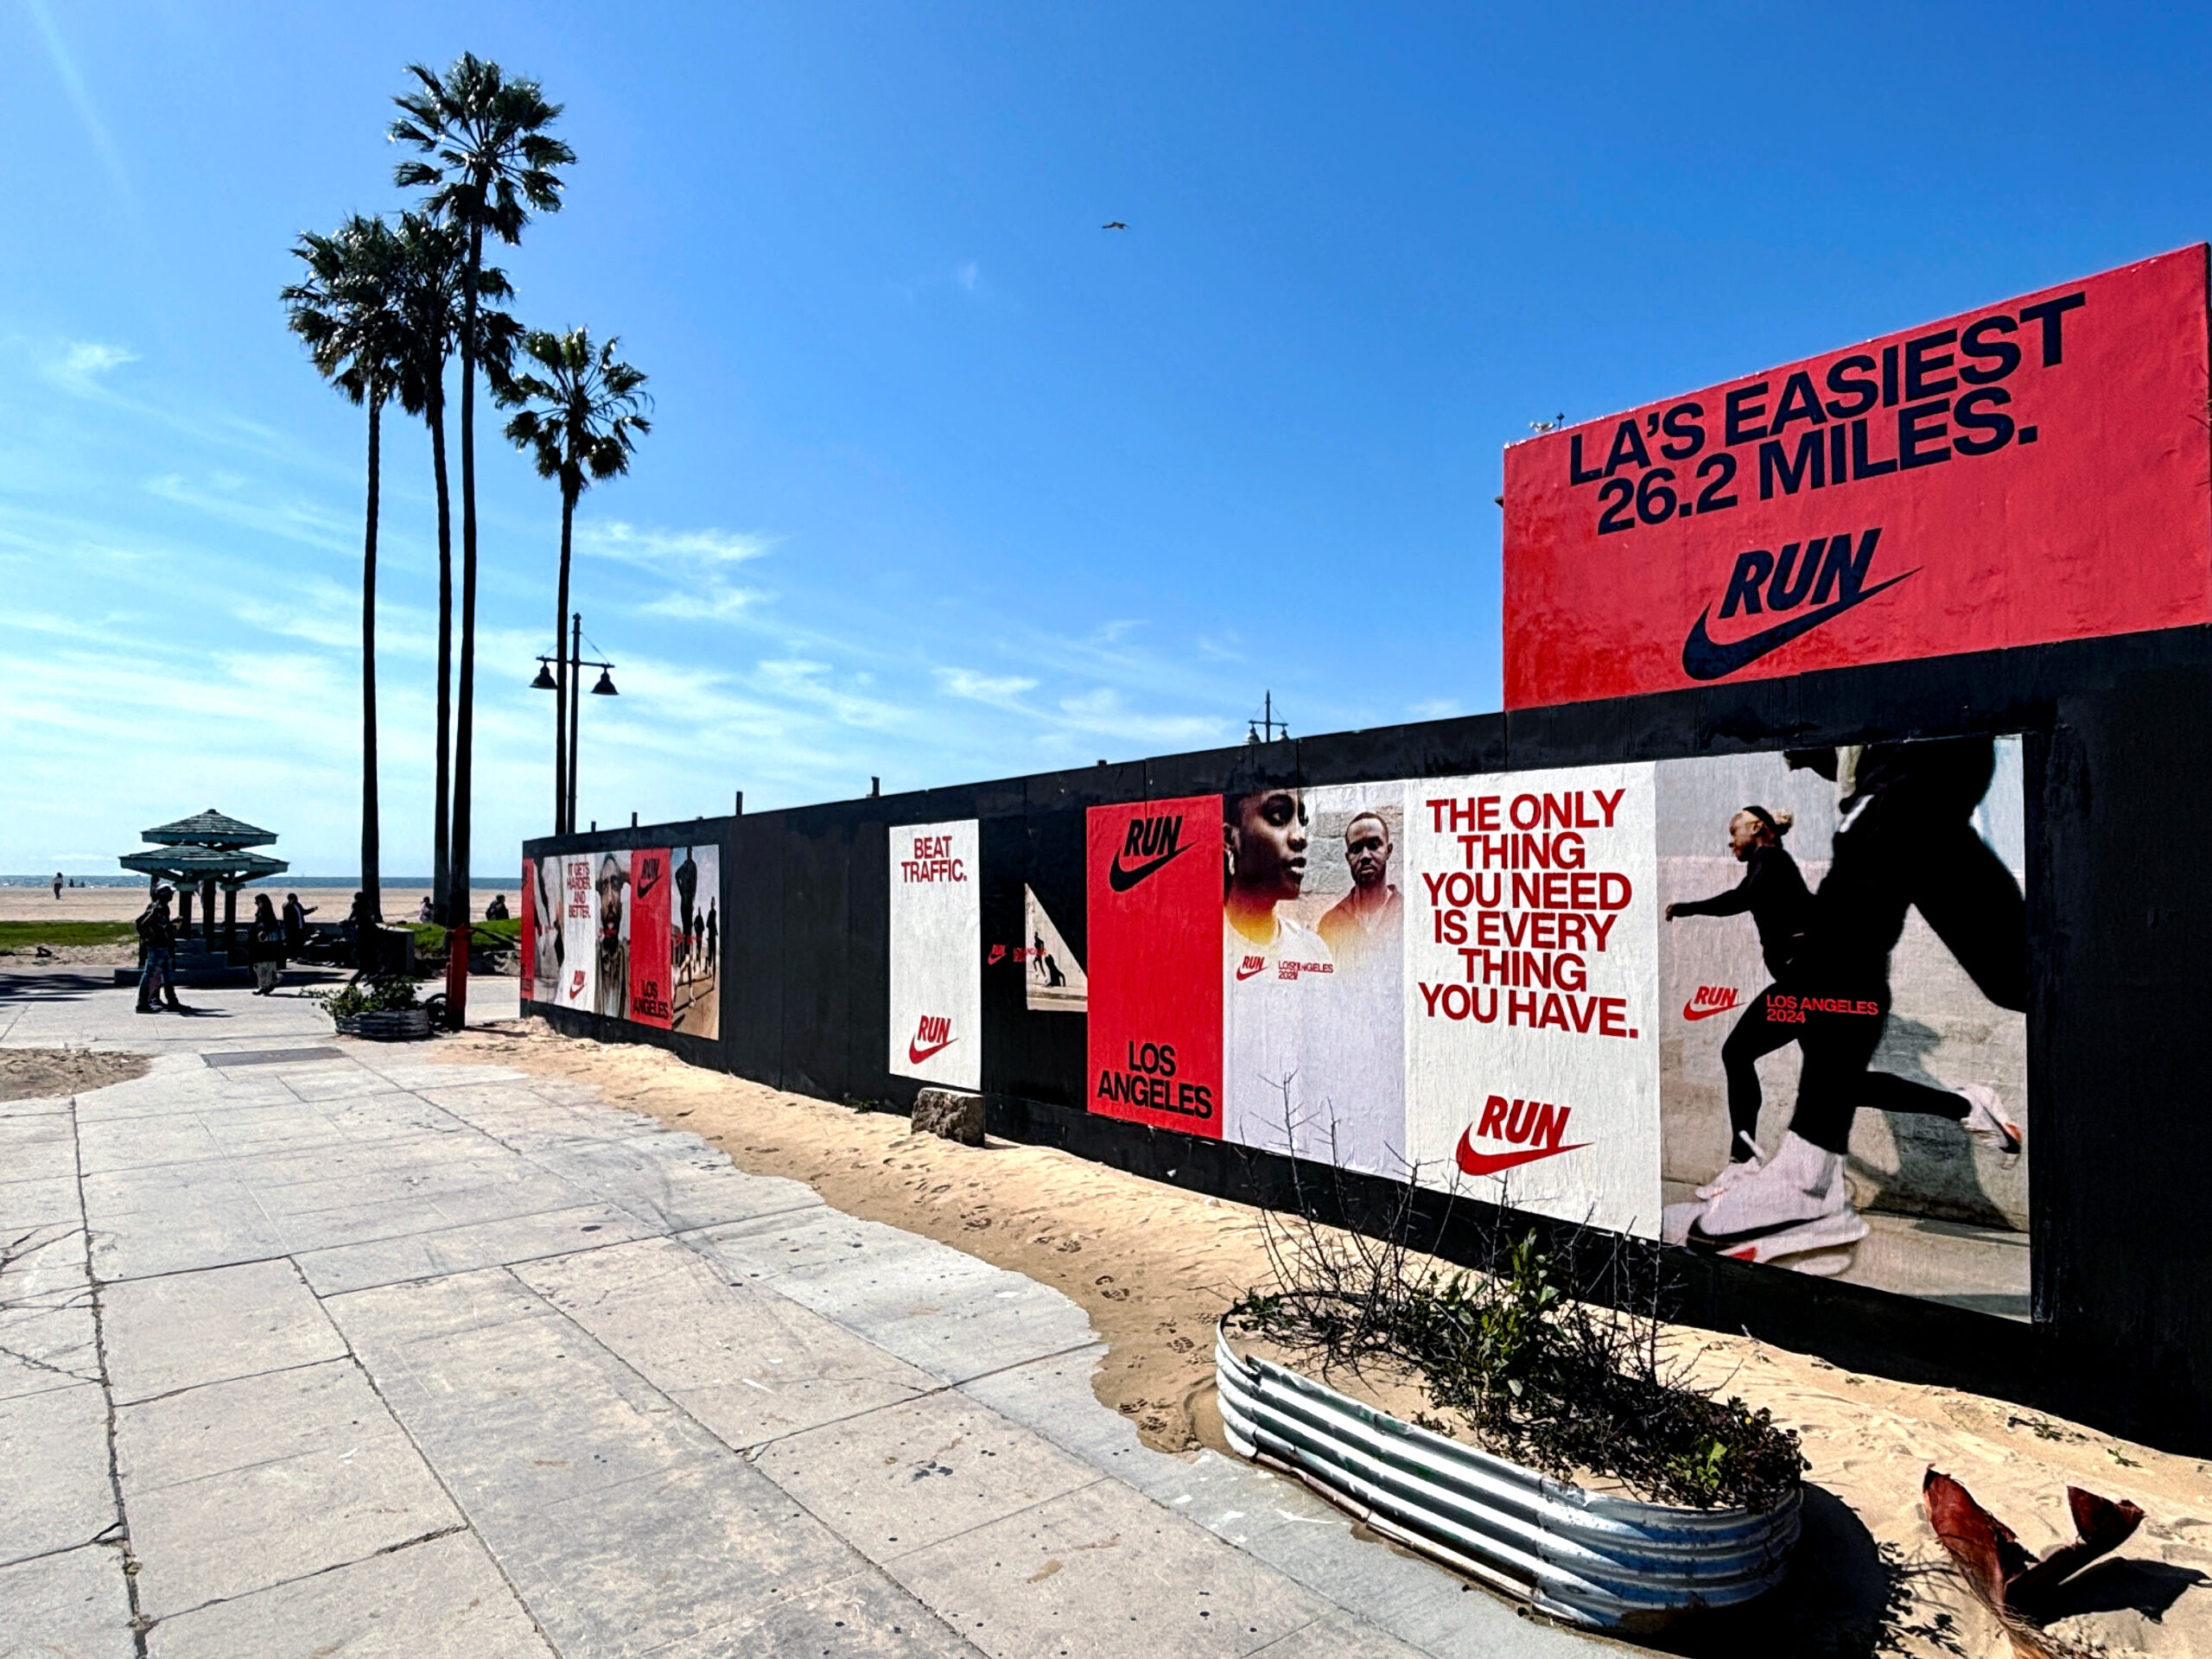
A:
(296, 922)
(57, 886)
(265, 945)
(157, 934)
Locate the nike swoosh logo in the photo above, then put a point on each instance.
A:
(1689, 1012)
(918, 1054)
(1703, 659)
(1488, 1163)
(1247, 972)
(1122, 878)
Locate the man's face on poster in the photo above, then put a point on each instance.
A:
(1367, 850)
(1267, 841)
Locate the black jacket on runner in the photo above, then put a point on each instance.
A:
(1774, 895)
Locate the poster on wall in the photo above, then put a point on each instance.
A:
(1153, 891)
(937, 954)
(545, 952)
(1954, 488)
(1844, 1064)
(578, 986)
(1312, 920)
(693, 914)
(1532, 991)
(611, 983)
(1054, 979)
(652, 966)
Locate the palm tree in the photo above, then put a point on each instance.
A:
(588, 417)
(348, 313)
(490, 162)
(435, 255)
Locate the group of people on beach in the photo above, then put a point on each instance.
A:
(271, 940)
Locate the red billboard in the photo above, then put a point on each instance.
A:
(2028, 472)
(650, 969)
(1152, 875)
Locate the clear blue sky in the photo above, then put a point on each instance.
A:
(947, 482)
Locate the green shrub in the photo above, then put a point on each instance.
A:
(386, 994)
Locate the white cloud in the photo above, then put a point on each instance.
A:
(966, 275)
(1003, 691)
(83, 362)
(716, 605)
(665, 549)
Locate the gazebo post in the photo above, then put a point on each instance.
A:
(207, 911)
(230, 920)
(184, 910)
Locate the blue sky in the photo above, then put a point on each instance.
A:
(946, 482)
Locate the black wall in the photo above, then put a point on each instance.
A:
(2119, 915)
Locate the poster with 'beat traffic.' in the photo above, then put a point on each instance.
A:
(937, 954)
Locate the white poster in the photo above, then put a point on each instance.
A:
(579, 932)
(547, 949)
(937, 954)
(1531, 991)
(1313, 982)
(611, 885)
(1056, 984)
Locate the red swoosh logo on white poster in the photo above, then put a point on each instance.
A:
(918, 1054)
(1489, 1163)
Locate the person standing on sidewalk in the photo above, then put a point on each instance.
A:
(157, 933)
(265, 945)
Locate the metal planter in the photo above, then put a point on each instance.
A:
(1595, 1560)
(386, 1026)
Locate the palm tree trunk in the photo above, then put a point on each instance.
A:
(465, 721)
(369, 848)
(561, 821)
(441, 851)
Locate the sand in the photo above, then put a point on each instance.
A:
(1154, 1266)
(123, 904)
(57, 1073)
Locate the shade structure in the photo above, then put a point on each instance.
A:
(195, 865)
(209, 828)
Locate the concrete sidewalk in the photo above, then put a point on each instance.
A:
(310, 1349)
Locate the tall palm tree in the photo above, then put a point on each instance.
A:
(489, 161)
(434, 256)
(580, 420)
(348, 313)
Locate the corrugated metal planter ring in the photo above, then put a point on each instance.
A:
(1581, 1556)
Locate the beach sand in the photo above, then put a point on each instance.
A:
(122, 904)
(1154, 1266)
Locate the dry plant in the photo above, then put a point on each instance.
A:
(1550, 1356)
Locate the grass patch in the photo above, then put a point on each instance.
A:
(21, 936)
(430, 938)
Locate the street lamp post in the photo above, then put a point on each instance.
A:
(565, 821)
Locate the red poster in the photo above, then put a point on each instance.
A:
(649, 954)
(2027, 471)
(529, 956)
(1153, 886)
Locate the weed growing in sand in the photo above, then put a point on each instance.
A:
(1551, 1359)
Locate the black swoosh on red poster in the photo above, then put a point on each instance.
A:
(1121, 878)
(1489, 1163)
(1705, 658)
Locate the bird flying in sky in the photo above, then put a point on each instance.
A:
(1113, 224)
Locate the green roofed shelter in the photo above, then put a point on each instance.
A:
(206, 851)
(210, 828)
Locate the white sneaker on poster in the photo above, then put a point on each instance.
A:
(1796, 1201)
(1986, 1122)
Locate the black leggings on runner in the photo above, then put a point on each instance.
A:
(1834, 1082)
